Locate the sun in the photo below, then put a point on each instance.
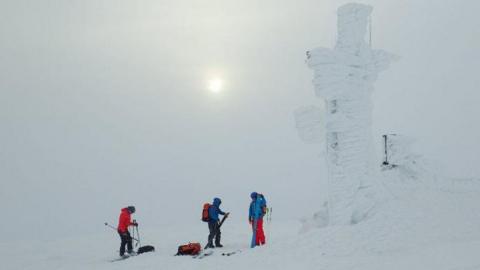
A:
(215, 85)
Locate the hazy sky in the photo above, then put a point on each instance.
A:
(105, 104)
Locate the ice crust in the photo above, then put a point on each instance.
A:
(310, 124)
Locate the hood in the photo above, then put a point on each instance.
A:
(217, 201)
(253, 195)
(131, 209)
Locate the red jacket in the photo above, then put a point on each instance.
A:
(124, 221)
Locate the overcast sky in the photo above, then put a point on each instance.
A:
(105, 103)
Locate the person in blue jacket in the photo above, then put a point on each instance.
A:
(256, 211)
(214, 223)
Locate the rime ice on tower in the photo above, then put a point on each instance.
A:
(344, 77)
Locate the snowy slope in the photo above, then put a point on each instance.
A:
(419, 226)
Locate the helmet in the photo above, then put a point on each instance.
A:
(131, 209)
(253, 195)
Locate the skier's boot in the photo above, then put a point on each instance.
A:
(209, 245)
(218, 245)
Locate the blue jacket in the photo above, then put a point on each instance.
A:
(214, 210)
(256, 207)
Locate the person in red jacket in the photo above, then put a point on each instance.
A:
(124, 222)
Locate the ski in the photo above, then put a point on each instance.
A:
(254, 235)
(203, 254)
(223, 220)
(231, 253)
(119, 259)
(122, 258)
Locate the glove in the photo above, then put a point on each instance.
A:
(135, 224)
(227, 214)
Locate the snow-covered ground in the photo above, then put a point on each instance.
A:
(416, 219)
(417, 226)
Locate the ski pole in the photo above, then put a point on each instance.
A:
(108, 225)
(254, 233)
(254, 226)
(113, 228)
(132, 235)
(138, 234)
(269, 218)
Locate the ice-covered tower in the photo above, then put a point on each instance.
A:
(344, 77)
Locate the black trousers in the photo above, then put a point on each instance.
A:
(214, 229)
(126, 239)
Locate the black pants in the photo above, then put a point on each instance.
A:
(126, 239)
(214, 229)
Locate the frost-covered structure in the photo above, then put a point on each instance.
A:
(344, 78)
(310, 124)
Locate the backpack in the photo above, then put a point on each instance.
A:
(263, 203)
(189, 249)
(205, 214)
(144, 249)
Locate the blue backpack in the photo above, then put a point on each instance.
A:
(263, 203)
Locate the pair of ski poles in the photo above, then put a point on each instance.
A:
(133, 232)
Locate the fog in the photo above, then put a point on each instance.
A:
(105, 104)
